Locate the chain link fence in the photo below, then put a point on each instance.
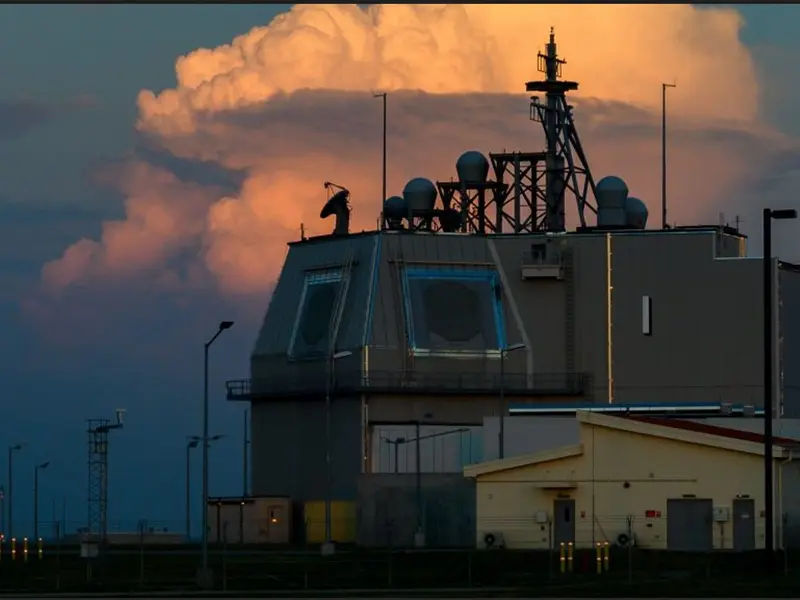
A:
(520, 556)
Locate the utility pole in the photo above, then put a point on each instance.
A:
(664, 87)
(11, 450)
(383, 96)
(245, 466)
(192, 443)
(206, 575)
(769, 395)
(36, 499)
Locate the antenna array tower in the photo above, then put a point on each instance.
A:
(98, 477)
(97, 501)
(566, 165)
(528, 191)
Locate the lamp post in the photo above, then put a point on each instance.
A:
(11, 450)
(419, 539)
(222, 327)
(192, 443)
(327, 547)
(664, 87)
(769, 508)
(383, 96)
(396, 443)
(245, 466)
(501, 437)
(36, 498)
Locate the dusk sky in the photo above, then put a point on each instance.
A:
(149, 188)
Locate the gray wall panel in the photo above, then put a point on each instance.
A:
(288, 449)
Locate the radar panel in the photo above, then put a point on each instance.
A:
(453, 312)
(310, 337)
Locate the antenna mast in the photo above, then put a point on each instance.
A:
(563, 172)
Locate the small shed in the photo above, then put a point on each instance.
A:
(250, 520)
(661, 483)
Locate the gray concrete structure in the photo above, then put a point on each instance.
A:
(390, 507)
(421, 315)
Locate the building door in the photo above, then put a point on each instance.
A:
(744, 524)
(563, 521)
(690, 524)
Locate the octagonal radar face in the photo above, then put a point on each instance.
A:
(472, 167)
(420, 194)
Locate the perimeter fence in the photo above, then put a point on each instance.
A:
(519, 554)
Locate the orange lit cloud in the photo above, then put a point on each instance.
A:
(289, 105)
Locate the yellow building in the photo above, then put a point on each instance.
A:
(662, 483)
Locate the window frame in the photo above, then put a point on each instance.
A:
(454, 274)
(312, 278)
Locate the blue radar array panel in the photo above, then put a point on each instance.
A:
(450, 311)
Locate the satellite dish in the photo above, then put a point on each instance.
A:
(339, 207)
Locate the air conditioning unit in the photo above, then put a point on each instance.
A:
(493, 540)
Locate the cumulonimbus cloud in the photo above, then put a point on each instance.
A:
(289, 105)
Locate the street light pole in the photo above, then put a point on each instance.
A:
(191, 444)
(383, 96)
(501, 438)
(327, 547)
(664, 87)
(222, 327)
(245, 467)
(36, 498)
(769, 488)
(11, 450)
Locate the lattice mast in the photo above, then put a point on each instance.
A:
(97, 501)
(563, 171)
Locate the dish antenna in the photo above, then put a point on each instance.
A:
(338, 206)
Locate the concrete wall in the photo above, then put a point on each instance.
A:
(389, 509)
(288, 449)
(654, 470)
(789, 318)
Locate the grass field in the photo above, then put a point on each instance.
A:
(300, 572)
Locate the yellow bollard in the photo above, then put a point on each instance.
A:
(562, 558)
(599, 557)
(570, 548)
(606, 556)
(25, 549)
(39, 548)
(13, 548)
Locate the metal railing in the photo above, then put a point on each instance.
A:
(393, 382)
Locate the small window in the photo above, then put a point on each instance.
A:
(567, 515)
(647, 315)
